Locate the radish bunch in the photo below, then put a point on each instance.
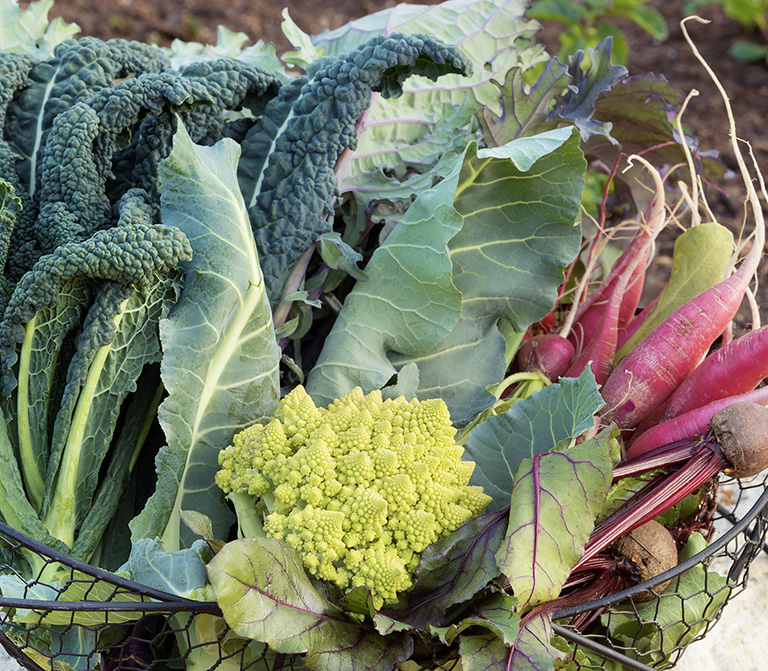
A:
(668, 385)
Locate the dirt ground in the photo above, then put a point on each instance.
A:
(161, 21)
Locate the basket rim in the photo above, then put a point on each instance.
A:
(168, 602)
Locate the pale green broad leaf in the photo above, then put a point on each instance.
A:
(408, 302)
(29, 31)
(265, 595)
(220, 366)
(535, 424)
(518, 205)
(515, 207)
(549, 521)
(181, 572)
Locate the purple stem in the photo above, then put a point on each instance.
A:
(705, 464)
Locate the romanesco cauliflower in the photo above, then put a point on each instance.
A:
(358, 489)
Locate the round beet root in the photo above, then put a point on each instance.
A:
(652, 550)
(741, 430)
(549, 353)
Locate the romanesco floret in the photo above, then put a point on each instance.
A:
(359, 489)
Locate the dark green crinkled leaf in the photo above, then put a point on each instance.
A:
(549, 523)
(76, 68)
(535, 424)
(265, 595)
(289, 156)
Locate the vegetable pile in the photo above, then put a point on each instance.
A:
(334, 340)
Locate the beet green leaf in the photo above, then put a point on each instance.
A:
(535, 424)
(555, 499)
(265, 595)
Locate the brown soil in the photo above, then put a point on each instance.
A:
(161, 21)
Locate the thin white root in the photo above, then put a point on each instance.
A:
(756, 252)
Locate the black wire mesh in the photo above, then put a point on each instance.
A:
(125, 626)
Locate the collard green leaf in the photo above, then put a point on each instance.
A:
(221, 357)
(518, 204)
(180, 572)
(407, 302)
(453, 570)
(517, 207)
(549, 523)
(700, 260)
(265, 595)
(535, 424)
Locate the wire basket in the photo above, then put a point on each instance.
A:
(130, 627)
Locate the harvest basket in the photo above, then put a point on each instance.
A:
(132, 634)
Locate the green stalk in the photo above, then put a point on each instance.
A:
(62, 516)
(33, 480)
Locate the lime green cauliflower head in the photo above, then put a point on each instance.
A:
(360, 488)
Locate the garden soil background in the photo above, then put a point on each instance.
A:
(731, 645)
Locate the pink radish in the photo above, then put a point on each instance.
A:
(688, 424)
(601, 346)
(648, 375)
(548, 353)
(733, 369)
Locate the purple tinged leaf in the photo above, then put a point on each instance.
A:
(555, 500)
(578, 105)
(483, 652)
(533, 651)
(524, 111)
(265, 595)
(453, 570)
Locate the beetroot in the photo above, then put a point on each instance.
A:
(741, 430)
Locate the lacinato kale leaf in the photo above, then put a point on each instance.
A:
(288, 160)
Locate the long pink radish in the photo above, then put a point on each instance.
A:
(629, 271)
(688, 424)
(600, 349)
(647, 376)
(734, 369)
